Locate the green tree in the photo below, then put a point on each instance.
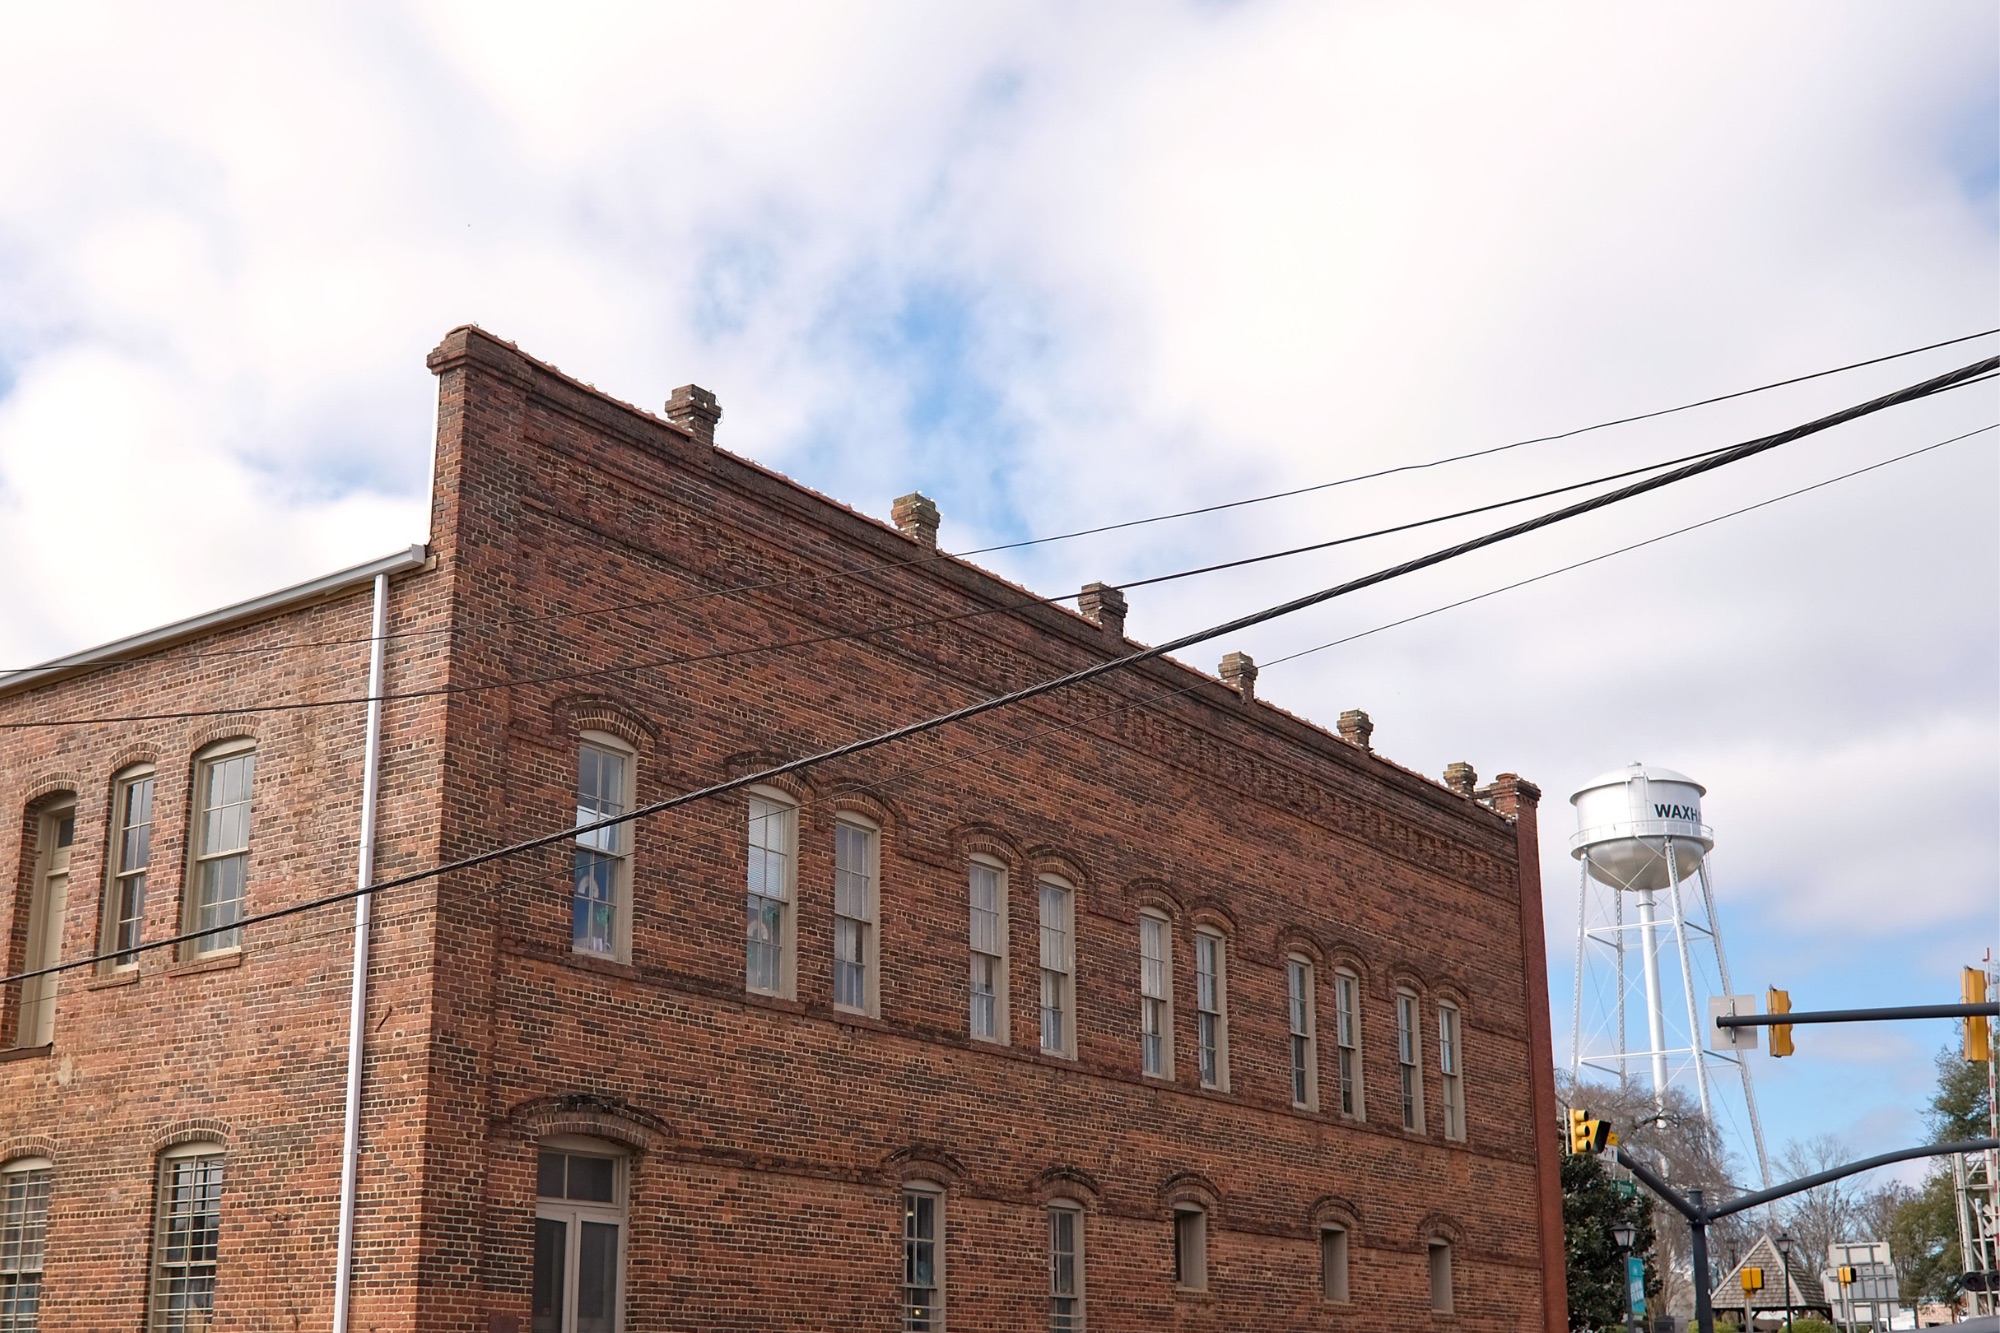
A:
(1923, 1230)
(1593, 1203)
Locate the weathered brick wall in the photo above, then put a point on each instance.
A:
(787, 1125)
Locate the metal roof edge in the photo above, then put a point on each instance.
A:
(154, 639)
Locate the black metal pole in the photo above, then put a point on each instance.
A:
(1704, 1312)
(1986, 1008)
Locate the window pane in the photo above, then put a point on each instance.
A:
(549, 1175)
(596, 1276)
(551, 1254)
(985, 999)
(187, 1244)
(1065, 1272)
(922, 1305)
(592, 1179)
(1055, 928)
(24, 1219)
(593, 904)
(1153, 957)
(850, 872)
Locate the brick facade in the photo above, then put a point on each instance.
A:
(767, 1139)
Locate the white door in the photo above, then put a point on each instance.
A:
(45, 927)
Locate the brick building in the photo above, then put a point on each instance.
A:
(1141, 1006)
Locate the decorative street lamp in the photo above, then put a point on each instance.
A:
(1623, 1234)
(1784, 1244)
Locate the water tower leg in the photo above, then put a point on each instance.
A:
(1656, 1019)
(1618, 922)
(1687, 979)
(1582, 939)
(1722, 970)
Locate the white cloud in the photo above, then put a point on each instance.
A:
(1180, 254)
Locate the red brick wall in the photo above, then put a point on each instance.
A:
(770, 1137)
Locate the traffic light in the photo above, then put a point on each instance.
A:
(1587, 1135)
(1846, 1275)
(1753, 1279)
(1779, 1002)
(1978, 1030)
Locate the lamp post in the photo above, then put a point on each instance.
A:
(1623, 1234)
(1784, 1244)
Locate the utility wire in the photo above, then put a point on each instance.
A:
(891, 566)
(843, 635)
(1736, 454)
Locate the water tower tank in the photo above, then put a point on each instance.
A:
(1624, 820)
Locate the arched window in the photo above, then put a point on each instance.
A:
(1156, 995)
(580, 1189)
(187, 1238)
(601, 897)
(923, 1257)
(986, 932)
(131, 857)
(1057, 903)
(1191, 1247)
(1211, 990)
(769, 929)
(856, 937)
(55, 835)
(1347, 1037)
(24, 1229)
(1451, 1072)
(219, 846)
(1303, 1020)
(1410, 1060)
(1065, 1266)
(1440, 1275)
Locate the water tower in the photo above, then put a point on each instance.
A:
(1645, 895)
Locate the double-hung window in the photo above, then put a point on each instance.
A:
(1409, 1060)
(35, 1022)
(24, 1230)
(1065, 1268)
(579, 1238)
(600, 903)
(1058, 960)
(986, 891)
(1304, 1038)
(854, 941)
(187, 1239)
(222, 786)
(923, 1259)
(1211, 983)
(1449, 1072)
(1156, 1005)
(1347, 1037)
(131, 857)
(768, 924)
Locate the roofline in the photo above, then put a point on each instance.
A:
(153, 640)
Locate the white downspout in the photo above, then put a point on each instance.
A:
(357, 1005)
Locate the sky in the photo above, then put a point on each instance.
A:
(1058, 266)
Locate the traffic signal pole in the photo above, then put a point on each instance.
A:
(1699, 1214)
(1987, 1010)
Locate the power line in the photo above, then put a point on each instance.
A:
(1725, 458)
(890, 567)
(843, 635)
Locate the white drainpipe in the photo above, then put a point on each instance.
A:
(357, 1008)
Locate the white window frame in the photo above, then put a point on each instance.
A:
(1211, 1000)
(868, 923)
(1347, 1043)
(24, 1230)
(1074, 1319)
(1439, 1271)
(978, 866)
(573, 1213)
(1190, 1247)
(1410, 1058)
(1335, 1246)
(1302, 1020)
(122, 875)
(48, 908)
(1451, 1068)
(930, 1318)
(1057, 958)
(226, 938)
(769, 806)
(612, 845)
(160, 1317)
(1156, 994)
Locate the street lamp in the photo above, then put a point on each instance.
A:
(1623, 1234)
(1784, 1244)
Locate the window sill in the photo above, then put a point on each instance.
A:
(27, 1052)
(214, 962)
(124, 976)
(610, 967)
(855, 1018)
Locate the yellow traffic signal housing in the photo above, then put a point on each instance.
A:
(1753, 1279)
(1587, 1135)
(1978, 1028)
(1846, 1275)
(1779, 1002)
